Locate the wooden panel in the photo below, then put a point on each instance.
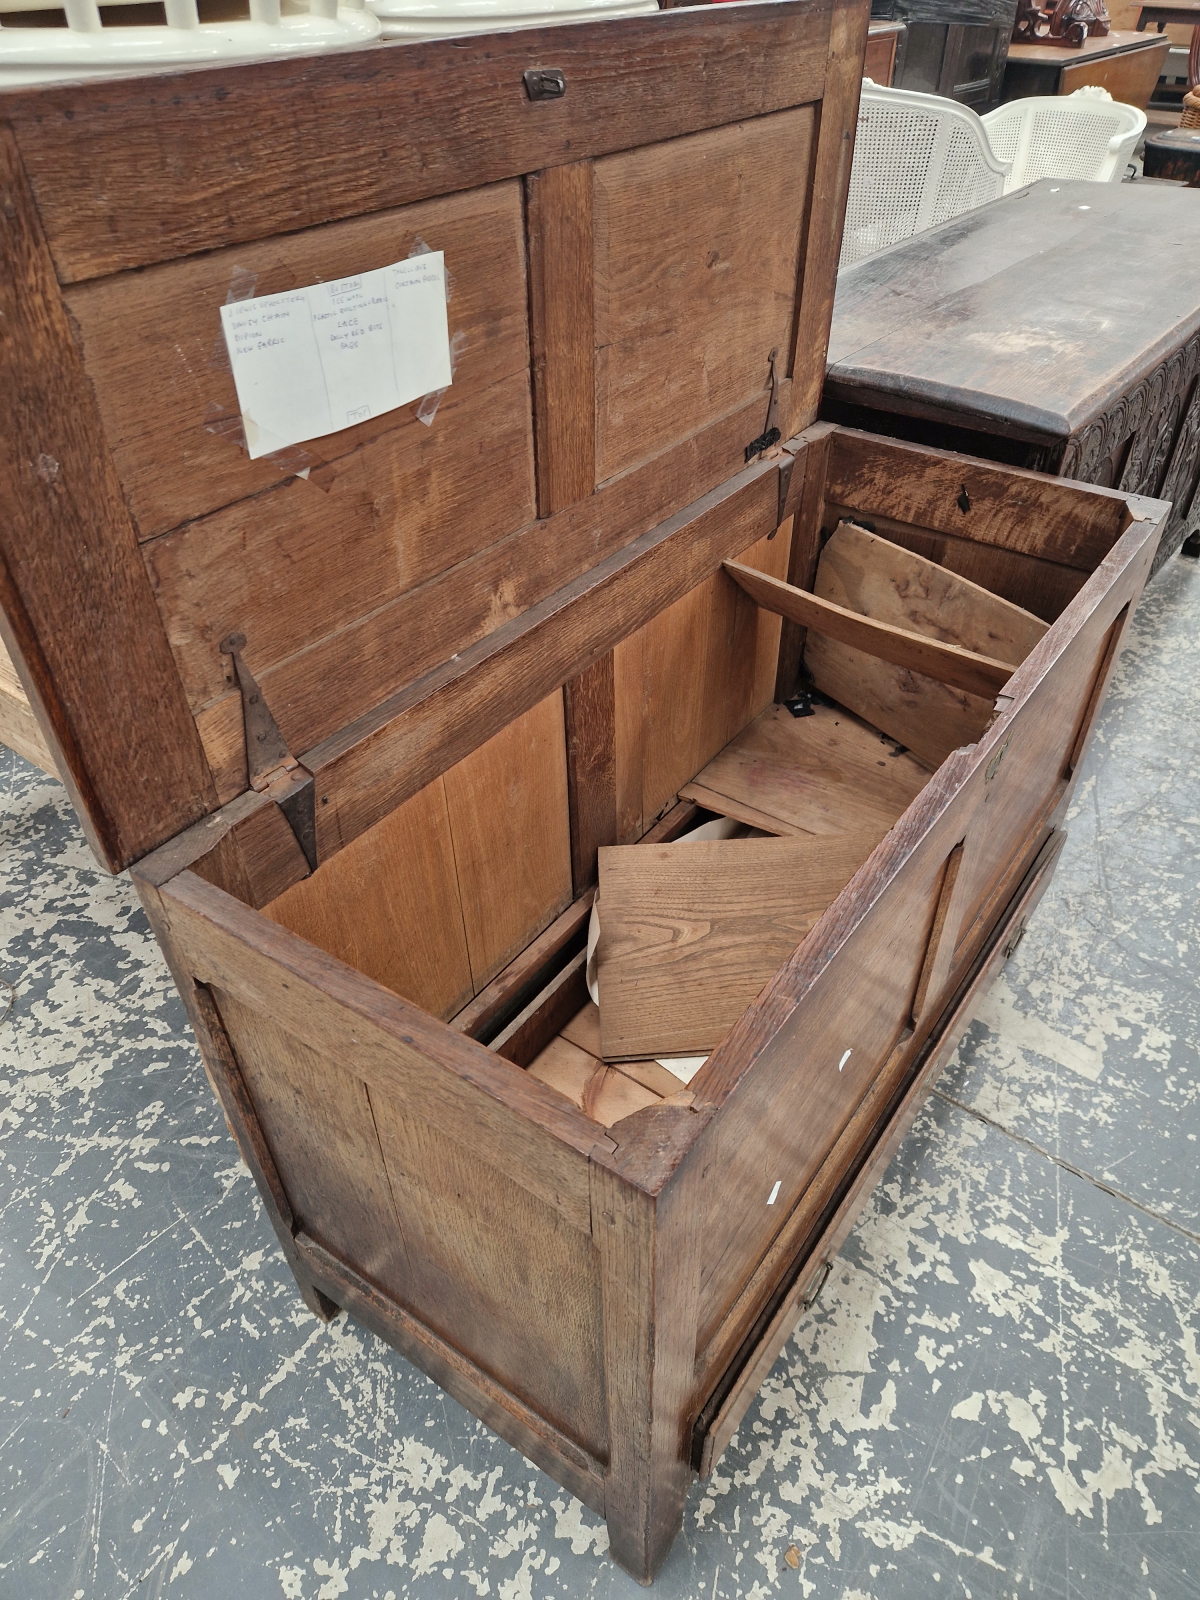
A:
(235, 147)
(1029, 760)
(512, 840)
(18, 725)
(804, 501)
(606, 1094)
(561, 318)
(900, 647)
(385, 756)
(865, 573)
(892, 585)
(823, 774)
(318, 1122)
(697, 256)
(397, 1050)
(690, 933)
(388, 904)
(317, 691)
(589, 704)
(80, 611)
(153, 345)
(527, 1035)
(629, 735)
(691, 680)
(1023, 511)
(495, 1274)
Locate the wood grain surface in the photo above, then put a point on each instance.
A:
(562, 317)
(697, 263)
(969, 499)
(79, 611)
(929, 712)
(825, 774)
(689, 933)
(95, 152)
(944, 327)
(389, 905)
(589, 707)
(688, 682)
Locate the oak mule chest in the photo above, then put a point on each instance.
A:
(367, 713)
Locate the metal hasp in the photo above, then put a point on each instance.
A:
(545, 83)
(770, 434)
(270, 765)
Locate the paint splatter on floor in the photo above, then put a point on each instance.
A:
(998, 1396)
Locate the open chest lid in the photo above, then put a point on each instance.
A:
(631, 230)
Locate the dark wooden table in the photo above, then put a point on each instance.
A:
(1173, 153)
(1057, 328)
(1184, 13)
(1128, 65)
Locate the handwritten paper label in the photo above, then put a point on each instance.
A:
(313, 361)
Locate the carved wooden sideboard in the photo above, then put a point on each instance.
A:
(1008, 333)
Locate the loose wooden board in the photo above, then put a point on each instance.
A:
(862, 572)
(828, 774)
(571, 1064)
(691, 932)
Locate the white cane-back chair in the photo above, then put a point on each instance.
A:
(918, 161)
(1087, 134)
(440, 19)
(47, 41)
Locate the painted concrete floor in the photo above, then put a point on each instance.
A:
(999, 1395)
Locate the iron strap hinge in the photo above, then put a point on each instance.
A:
(270, 765)
(771, 435)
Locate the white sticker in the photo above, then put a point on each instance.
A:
(313, 361)
(774, 1195)
(844, 1059)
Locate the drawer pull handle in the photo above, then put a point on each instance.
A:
(819, 1282)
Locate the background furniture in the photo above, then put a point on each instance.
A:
(919, 159)
(955, 48)
(1175, 154)
(1128, 65)
(1007, 334)
(885, 51)
(1081, 135)
(1178, 13)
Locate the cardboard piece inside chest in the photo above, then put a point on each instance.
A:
(478, 647)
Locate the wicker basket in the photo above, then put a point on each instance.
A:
(1191, 110)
